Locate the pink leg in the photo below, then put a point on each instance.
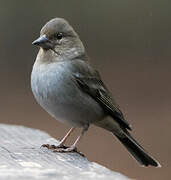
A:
(61, 143)
(66, 136)
(73, 147)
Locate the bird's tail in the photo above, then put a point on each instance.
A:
(137, 150)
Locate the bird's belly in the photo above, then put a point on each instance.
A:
(61, 98)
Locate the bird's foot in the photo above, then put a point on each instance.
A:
(66, 149)
(53, 147)
(62, 149)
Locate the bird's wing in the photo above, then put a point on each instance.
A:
(92, 84)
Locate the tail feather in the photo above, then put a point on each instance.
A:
(137, 150)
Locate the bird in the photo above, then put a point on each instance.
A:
(70, 89)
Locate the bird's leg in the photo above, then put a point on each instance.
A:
(61, 143)
(72, 148)
(66, 137)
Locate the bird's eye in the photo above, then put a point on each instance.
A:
(59, 36)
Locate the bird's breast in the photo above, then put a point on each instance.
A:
(57, 92)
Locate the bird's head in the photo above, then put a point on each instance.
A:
(59, 38)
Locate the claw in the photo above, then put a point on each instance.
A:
(66, 149)
(53, 146)
(62, 149)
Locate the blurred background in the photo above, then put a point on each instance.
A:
(128, 41)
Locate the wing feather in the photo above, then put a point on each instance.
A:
(94, 86)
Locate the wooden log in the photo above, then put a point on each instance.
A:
(23, 158)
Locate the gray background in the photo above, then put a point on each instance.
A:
(128, 41)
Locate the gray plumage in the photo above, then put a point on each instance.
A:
(71, 90)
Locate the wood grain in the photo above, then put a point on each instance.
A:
(22, 157)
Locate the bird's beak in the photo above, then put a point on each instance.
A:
(43, 42)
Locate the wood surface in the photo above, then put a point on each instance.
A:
(23, 158)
